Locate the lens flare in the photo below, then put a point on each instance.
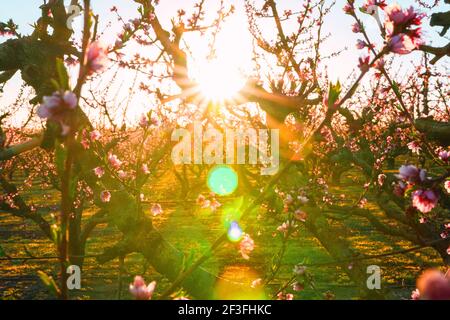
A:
(234, 232)
(222, 180)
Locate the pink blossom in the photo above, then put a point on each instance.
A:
(287, 13)
(57, 106)
(105, 196)
(144, 122)
(447, 186)
(214, 204)
(411, 174)
(444, 155)
(448, 250)
(369, 4)
(414, 146)
(401, 37)
(140, 290)
(401, 44)
(424, 200)
(434, 285)
(135, 22)
(297, 287)
(127, 27)
(96, 57)
(256, 283)
(99, 172)
(282, 296)
(95, 135)
(156, 209)
(423, 220)
(205, 204)
(114, 161)
(399, 189)
(356, 28)
(360, 44)
(288, 200)
(415, 295)
(286, 226)
(122, 174)
(85, 143)
(299, 269)
(379, 65)
(396, 15)
(118, 44)
(348, 8)
(362, 203)
(145, 169)
(201, 201)
(300, 215)
(364, 63)
(381, 179)
(246, 246)
(154, 121)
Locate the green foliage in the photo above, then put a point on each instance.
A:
(333, 93)
(62, 75)
(49, 282)
(8, 27)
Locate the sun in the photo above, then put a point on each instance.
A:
(219, 81)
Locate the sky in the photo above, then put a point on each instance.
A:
(234, 43)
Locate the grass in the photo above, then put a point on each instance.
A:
(192, 230)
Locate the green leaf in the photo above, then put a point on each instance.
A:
(334, 93)
(56, 234)
(55, 84)
(395, 87)
(49, 283)
(188, 260)
(62, 74)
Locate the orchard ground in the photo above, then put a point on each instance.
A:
(192, 230)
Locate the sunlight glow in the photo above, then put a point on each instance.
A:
(219, 80)
(234, 283)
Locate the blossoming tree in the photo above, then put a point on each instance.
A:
(391, 134)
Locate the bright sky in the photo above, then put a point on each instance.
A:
(233, 44)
